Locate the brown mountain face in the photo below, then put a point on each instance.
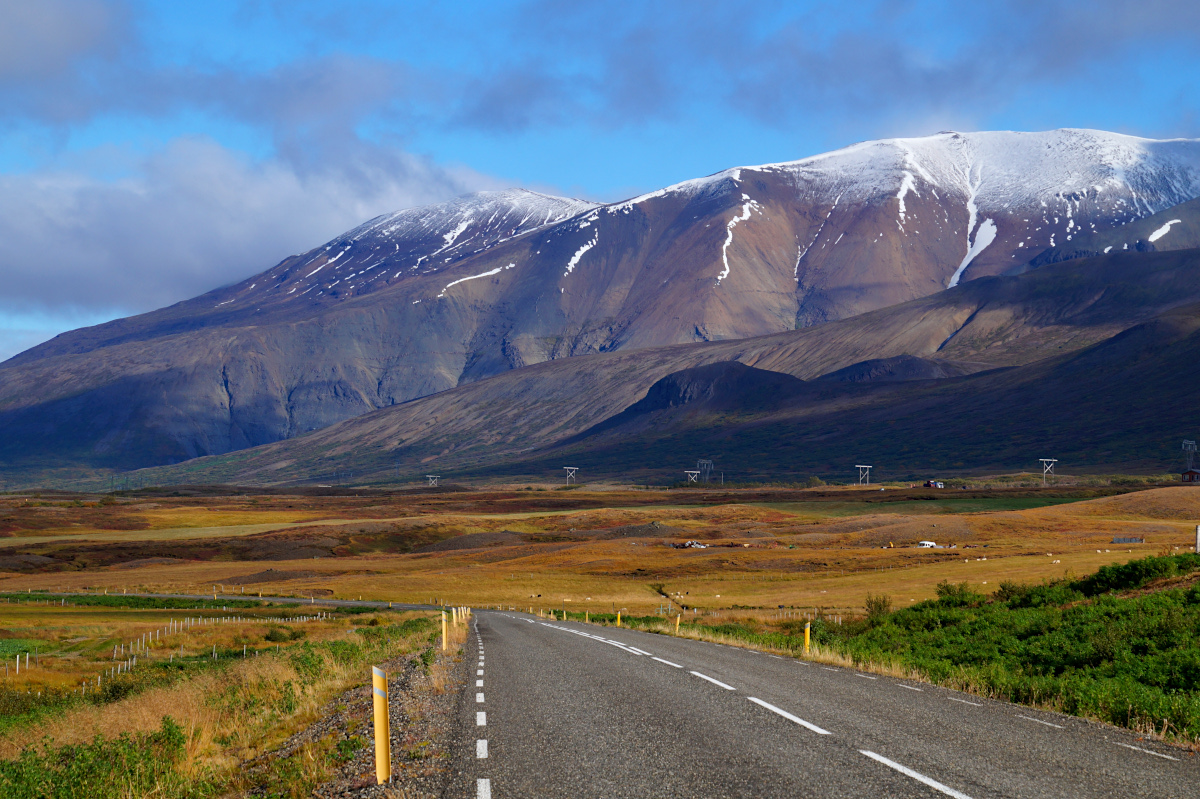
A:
(997, 337)
(422, 301)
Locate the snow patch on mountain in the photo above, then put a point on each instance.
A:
(1162, 231)
(747, 206)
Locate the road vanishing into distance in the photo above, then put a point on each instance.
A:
(560, 709)
(571, 710)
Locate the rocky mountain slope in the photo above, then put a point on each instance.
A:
(1056, 353)
(422, 301)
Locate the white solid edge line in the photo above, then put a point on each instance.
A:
(669, 663)
(483, 789)
(789, 716)
(480, 718)
(1147, 751)
(909, 687)
(916, 775)
(481, 748)
(965, 702)
(1039, 721)
(714, 682)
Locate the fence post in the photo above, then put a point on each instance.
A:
(383, 738)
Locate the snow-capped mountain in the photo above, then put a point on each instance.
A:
(422, 300)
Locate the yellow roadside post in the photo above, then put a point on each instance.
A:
(807, 629)
(383, 738)
(618, 618)
(443, 631)
(585, 617)
(677, 618)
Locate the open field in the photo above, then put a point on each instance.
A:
(587, 549)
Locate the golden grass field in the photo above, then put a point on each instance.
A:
(601, 550)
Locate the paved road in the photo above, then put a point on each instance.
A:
(572, 710)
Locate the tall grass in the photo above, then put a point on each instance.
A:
(220, 717)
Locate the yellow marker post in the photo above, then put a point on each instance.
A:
(443, 631)
(618, 618)
(807, 630)
(677, 618)
(383, 737)
(585, 617)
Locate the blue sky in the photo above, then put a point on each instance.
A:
(152, 150)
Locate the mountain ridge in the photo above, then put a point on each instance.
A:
(750, 251)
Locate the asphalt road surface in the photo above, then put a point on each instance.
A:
(561, 709)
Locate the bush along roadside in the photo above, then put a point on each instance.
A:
(256, 699)
(1121, 645)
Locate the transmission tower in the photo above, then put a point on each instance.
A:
(571, 473)
(1047, 467)
(1190, 448)
(433, 478)
(705, 469)
(864, 474)
(691, 475)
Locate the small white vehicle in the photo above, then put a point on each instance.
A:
(927, 545)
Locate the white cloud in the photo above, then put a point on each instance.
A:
(194, 216)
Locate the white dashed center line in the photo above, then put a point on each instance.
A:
(483, 789)
(789, 716)
(479, 697)
(937, 786)
(1039, 721)
(965, 702)
(481, 748)
(909, 687)
(669, 663)
(1146, 751)
(864, 676)
(481, 719)
(479, 683)
(479, 673)
(714, 682)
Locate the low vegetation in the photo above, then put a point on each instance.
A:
(186, 727)
(1119, 645)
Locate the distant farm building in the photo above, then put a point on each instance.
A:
(934, 484)
(1191, 476)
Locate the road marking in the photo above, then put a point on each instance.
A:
(1147, 751)
(479, 697)
(714, 682)
(789, 716)
(865, 677)
(481, 748)
(480, 719)
(483, 789)
(635, 649)
(909, 687)
(826, 668)
(479, 683)
(479, 673)
(1039, 721)
(669, 663)
(937, 786)
(965, 702)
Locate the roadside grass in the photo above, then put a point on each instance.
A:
(1119, 645)
(198, 729)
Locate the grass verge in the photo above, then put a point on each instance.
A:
(1119, 645)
